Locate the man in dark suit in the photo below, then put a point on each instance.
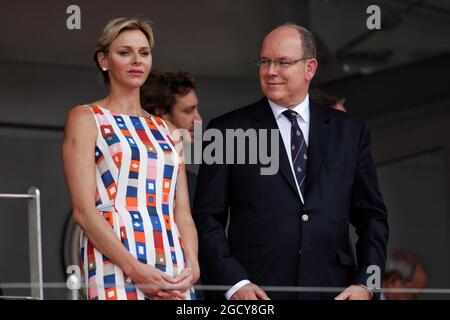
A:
(292, 228)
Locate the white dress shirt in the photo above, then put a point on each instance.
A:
(284, 125)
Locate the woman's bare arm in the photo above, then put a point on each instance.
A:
(186, 225)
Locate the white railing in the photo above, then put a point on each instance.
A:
(34, 238)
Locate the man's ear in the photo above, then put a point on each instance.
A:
(311, 68)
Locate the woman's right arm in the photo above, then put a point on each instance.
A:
(79, 168)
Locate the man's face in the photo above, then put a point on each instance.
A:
(418, 281)
(184, 112)
(286, 86)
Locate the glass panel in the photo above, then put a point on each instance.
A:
(415, 193)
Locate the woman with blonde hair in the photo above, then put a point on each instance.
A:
(127, 182)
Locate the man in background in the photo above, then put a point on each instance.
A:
(404, 270)
(326, 99)
(172, 96)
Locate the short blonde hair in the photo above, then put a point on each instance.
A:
(112, 30)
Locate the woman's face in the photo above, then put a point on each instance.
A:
(129, 59)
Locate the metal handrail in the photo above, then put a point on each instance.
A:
(34, 239)
(15, 196)
(17, 298)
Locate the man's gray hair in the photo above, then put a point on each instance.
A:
(404, 264)
(307, 38)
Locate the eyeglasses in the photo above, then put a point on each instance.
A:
(265, 63)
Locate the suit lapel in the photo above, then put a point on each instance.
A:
(265, 120)
(318, 141)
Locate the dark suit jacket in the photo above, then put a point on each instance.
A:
(268, 242)
(192, 182)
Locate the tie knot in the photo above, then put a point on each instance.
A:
(290, 114)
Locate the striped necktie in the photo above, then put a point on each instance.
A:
(299, 150)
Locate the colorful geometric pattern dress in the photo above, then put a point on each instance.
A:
(136, 174)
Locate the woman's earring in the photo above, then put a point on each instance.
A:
(105, 69)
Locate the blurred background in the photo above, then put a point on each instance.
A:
(395, 79)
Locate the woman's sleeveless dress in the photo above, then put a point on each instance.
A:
(136, 174)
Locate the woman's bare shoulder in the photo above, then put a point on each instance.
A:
(80, 118)
(84, 110)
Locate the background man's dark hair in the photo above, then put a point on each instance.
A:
(162, 88)
(325, 98)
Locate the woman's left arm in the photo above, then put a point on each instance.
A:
(182, 211)
(186, 226)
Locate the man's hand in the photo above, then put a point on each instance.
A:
(250, 292)
(355, 292)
